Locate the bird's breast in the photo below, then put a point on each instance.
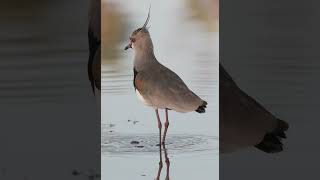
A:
(142, 99)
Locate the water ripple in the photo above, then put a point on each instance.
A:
(133, 144)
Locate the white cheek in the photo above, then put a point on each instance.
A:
(132, 46)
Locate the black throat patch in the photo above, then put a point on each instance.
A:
(135, 72)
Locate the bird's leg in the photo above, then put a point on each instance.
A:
(167, 162)
(160, 149)
(160, 168)
(160, 128)
(166, 125)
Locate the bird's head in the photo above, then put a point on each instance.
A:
(140, 39)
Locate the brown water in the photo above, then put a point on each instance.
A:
(186, 45)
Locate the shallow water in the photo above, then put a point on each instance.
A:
(129, 129)
(115, 144)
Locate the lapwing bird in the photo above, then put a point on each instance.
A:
(244, 122)
(94, 37)
(156, 85)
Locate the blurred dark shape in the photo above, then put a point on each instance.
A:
(94, 36)
(271, 48)
(75, 173)
(49, 124)
(90, 175)
(244, 122)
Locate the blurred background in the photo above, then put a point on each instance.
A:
(185, 36)
(271, 49)
(50, 121)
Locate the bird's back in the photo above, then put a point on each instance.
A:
(163, 88)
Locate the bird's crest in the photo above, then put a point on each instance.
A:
(147, 20)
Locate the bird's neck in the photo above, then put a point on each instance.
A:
(143, 59)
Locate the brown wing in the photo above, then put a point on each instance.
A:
(165, 89)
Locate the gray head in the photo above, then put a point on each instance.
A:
(140, 39)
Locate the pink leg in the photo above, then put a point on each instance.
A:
(160, 128)
(160, 169)
(167, 162)
(166, 125)
(160, 149)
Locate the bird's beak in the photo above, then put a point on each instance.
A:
(128, 46)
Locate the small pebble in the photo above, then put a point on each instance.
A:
(135, 142)
(140, 146)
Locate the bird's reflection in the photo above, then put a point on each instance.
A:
(167, 161)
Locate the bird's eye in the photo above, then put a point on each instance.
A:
(132, 39)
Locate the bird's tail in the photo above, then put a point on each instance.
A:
(272, 142)
(202, 108)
